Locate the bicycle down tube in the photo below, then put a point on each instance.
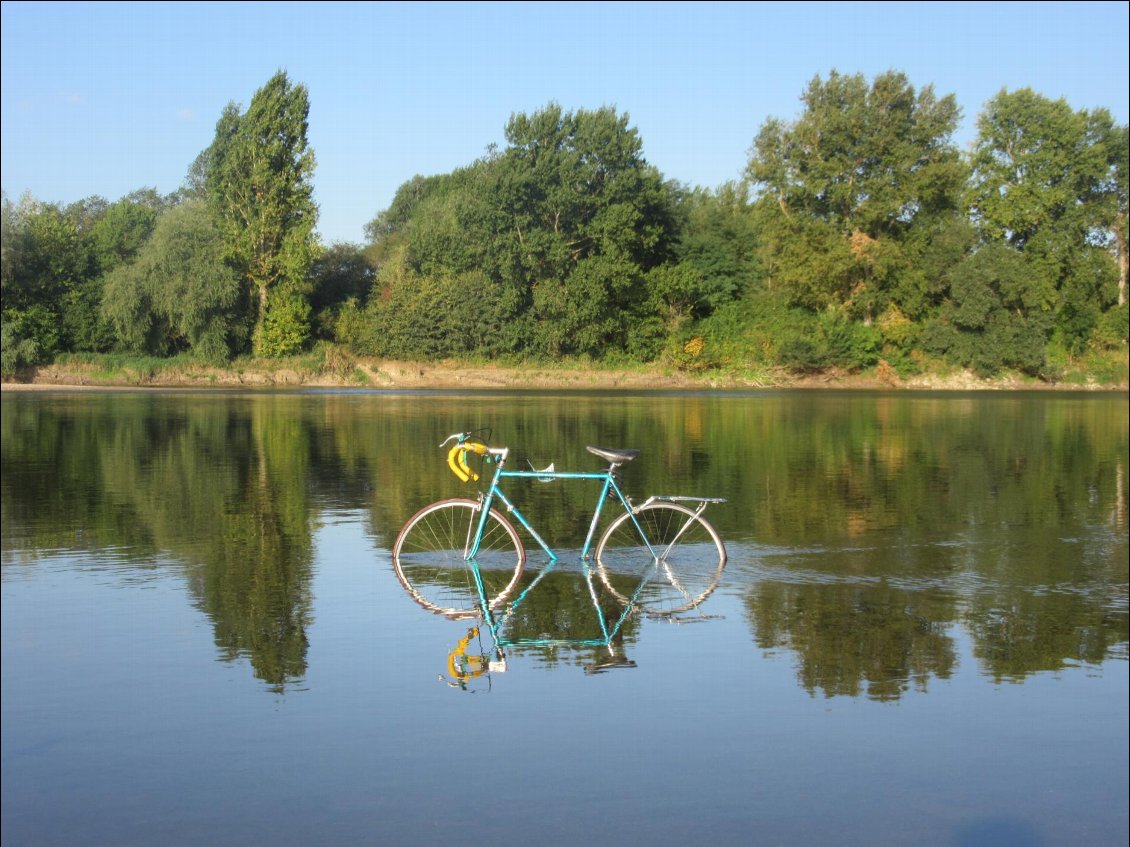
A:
(494, 492)
(664, 537)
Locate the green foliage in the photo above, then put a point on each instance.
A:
(867, 236)
(55, 260)
(1111, 328)
(718, 238)
(46, 284)
(845, 190)
(27, 336)
(429, 317)
(585, 218)
(258, 181)
(996, 318)
(118, 235)
(829, 340)
(179, 294)
(44, 255)
(83, 324)
(350, 327)
(1050, 182)
(578, 315)
(341, 274)
(285, 328)
(557, 233)
(1032, 164)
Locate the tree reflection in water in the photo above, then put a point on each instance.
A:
(895, 523)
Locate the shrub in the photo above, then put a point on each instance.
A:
(27, 337)
(284, 329)
(1111, 328)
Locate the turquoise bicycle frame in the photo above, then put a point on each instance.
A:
(494, 620)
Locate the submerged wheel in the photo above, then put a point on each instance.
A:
(430, 559)
(685, 568)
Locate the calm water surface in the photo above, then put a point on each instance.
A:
(920, 636)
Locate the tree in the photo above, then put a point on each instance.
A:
(586, 217)
(441, 236)
(994, 316)
(121, 230)
(844, 190)
(341, 274)
(45, 276)
(179, 295)
(1113, 197)
(1046, 181)
(717, 238)
(258, 179)
(561, 228)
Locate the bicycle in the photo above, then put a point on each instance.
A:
(462, 557)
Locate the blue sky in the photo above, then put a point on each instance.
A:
(105, 98)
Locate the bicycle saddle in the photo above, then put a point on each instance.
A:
(610, 454)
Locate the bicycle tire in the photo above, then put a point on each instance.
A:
(429, 557)
(682, 574)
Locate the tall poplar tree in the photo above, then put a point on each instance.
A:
(259, 171)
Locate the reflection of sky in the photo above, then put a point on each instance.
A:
(113, 699)
(123, 719)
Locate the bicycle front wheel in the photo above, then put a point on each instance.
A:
(682, 567)
(430, 558)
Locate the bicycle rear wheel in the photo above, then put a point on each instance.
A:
(686, 567)
(429, 556)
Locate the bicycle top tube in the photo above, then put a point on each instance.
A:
(615, 456)
(610, 489)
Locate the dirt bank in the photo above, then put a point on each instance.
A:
(381, 374)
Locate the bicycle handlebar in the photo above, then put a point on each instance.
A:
(457, 455)
(463, 441)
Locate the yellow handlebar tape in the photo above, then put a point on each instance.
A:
(457, 460)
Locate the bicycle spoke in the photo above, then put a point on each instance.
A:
(430, 561)
(685, 568)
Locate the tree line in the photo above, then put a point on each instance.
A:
(859, 235)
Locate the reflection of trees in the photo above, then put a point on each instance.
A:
(223, 486)
(1014, 505)
(857, 635)
(1017, 635)
(561, 608)
(218, 484)
(255, 585)
(1010, 502)
(1052, 600)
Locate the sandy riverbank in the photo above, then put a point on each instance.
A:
(380, 374)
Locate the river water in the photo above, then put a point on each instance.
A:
(920, 635)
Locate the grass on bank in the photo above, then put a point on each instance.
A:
(331, 364)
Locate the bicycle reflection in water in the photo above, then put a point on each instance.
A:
(462, 558)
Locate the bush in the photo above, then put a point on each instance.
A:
(801, 355)
(423, 317)
(15, 352)
(27, 337)
(848, 344)
(1007, 341)
(1111, 328)
(830, 340)
(284, 329)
